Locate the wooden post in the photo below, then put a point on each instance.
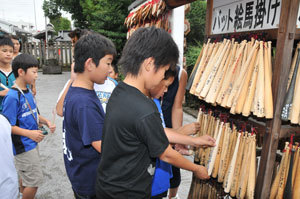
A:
(22, 47)
(44, 52)
(35, 49)
(30, 48)
(70, 53)
(40, 54)
(58, 55)
(209, 12)
(284, 47)
(25, 47)
(65, 54)
(56, 52)
(61, 54)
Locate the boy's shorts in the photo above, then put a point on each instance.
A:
(176, 179)
(29, 168)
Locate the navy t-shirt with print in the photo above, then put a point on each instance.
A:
(82, 125)
(18, 113)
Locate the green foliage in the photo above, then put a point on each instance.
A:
(192, 54)
(51, 9)
(75, 9)
(61, 23)
(107, 17)
(103, 16)
(197, 19)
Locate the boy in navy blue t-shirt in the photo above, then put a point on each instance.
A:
(20, 108)
(83, 113)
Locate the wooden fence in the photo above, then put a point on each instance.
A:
(61, 51)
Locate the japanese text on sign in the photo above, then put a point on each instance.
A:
(246, 15)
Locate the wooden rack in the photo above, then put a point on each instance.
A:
(273, 128)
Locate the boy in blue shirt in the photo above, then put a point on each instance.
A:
(163, 170)
(83, 113)
(7, 77)
(20, 108)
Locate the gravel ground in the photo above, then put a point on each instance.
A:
(56, 184)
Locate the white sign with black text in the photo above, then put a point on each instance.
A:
(245, 15)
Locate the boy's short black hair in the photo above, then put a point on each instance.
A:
(145, 43)
(171, 72)
(93, 46)
(78, 33)
(6, 41)
(23, 61)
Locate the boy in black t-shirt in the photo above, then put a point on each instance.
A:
(133, 135)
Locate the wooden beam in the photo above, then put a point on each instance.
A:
(270, 34)
(176, 3)
(284, 46)
(297, 34)
(135, 4)
(287, 130)
(209, 7)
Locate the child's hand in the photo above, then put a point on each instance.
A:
(4, 92)
(36, 135)
(207, 141)
(182, 149)
(51, 126)
(190, 129)
(201, 173)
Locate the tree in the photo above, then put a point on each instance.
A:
(103, 16)
(52, 11)
(197, 19)
(61, 23)
(107, 17)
